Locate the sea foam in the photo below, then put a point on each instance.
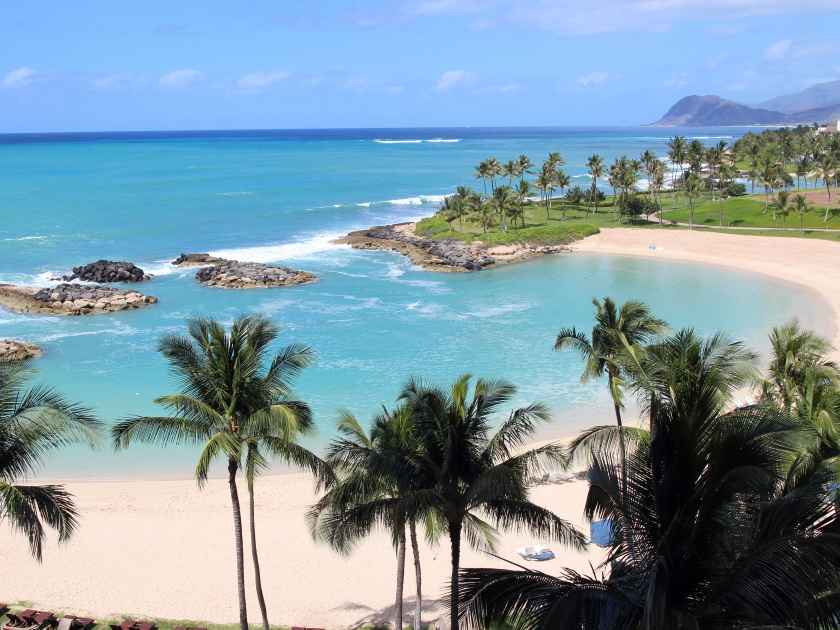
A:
(283, 251)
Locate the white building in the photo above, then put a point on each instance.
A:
(833, 127)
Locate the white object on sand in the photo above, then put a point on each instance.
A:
(536, 553)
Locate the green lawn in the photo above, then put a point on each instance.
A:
(566, 223)
(747, 212)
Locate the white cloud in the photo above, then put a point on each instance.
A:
(451, 79)
(180, 78)
(778, 50)
(19, 77)
(593, 78)
(260, 80)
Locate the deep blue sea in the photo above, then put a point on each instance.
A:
(373, 319)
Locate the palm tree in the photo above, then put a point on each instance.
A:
(543, 184)
(780, 205)
(504, 199)
(525, 166)
(616, 332)
(484, 210)
(562, 181)
(467, 469)
(377, 479)
(494, 170)
(32, 423)
(482, 172)
(595, 165)
(693, 187)
(793, 351)
(232, 406)
(801, 203)
(677, 154)
(522, 192)
(510, 169)
(824, 169)
(657, 182)
(711, 534)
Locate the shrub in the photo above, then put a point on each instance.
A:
(736, 189)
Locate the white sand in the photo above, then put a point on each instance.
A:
(163, 548)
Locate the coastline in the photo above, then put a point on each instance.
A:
(803, 262)
(122, 519)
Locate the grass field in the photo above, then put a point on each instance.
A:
(750, 212)
(568, 222)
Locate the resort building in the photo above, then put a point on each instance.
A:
(832, 127)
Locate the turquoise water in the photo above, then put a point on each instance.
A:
(373, 319)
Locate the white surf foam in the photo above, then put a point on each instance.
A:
(283, 251)
(387, 141)
(26, 238)
(498, 311)
(443, 140)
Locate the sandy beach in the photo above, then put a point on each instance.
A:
(163, 548)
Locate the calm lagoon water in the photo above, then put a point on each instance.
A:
(373, 319)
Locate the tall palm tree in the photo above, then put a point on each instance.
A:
(676, 154)
(34, 422)
(711, 534)
(544, 184)
(657, 182)
(234, 407)
(377, 476)
(482, 172)
(494, 170)
(825, 169)
(525, 166)
(693, 188)
(522, 192)
(510, 169)
(595, 166)
(562, 181)
(801, 203)
(468, 469)
(616, 332)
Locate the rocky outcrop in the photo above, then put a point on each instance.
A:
(197, 260)
(442, 255)
(231, 274)
(11, 350)
(71, 299)
(103, 271)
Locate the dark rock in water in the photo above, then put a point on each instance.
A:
(445, 253)
(103, 271)
(195, 260)
(231, 274)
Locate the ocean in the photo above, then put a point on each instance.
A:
(373, 319)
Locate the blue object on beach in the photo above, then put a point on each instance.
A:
(600, 533)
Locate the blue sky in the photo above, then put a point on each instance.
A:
(190, 64)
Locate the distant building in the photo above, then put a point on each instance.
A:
(833, 127)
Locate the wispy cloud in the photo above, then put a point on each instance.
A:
(593, 79)
(583, 18)
(261, 80)
(451, 79)
(778, 50)
(181, 78)
(112, 81)
(19, 77)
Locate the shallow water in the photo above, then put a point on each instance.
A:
(373, 319)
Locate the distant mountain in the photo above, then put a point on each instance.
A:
(817, 96)
(710, 111)
(819, 103)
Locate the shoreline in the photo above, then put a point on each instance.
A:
(806, 264)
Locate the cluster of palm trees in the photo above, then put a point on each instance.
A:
(720, 516)
(779, 158)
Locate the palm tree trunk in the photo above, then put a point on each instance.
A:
(455, 582)
(233, 466)
(415, 550)
(398, 607)
(622, 447)
(256, 559)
